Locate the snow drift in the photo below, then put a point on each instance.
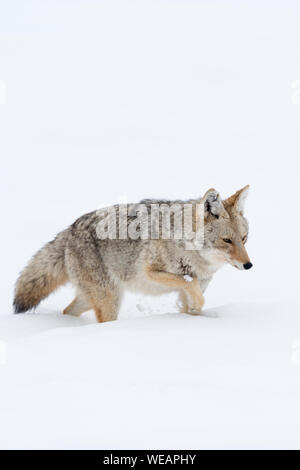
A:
(226, 379)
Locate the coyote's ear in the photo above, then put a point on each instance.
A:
(212, 203)
(238, 199)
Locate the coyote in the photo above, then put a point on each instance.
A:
(101, 268)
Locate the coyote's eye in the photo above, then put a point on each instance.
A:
(227, 240)
(244, 239)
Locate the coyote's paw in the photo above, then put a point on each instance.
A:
(195, 308)
(192, 299)
(195, 311)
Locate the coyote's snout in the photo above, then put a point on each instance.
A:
(102, 268)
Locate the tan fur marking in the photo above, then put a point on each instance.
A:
(240, 254)
(192, 289)
(98, 314)
(77, 307)
(230, 201)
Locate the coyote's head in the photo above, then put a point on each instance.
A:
(225, 227)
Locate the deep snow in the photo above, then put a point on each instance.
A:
(227, 379)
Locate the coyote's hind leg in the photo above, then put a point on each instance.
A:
(91, 279)
(77, 307)
(105, 301)
(106, 304)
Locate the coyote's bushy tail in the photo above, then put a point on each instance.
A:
(44, 273)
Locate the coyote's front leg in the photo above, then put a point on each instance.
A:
(189, 288)
(188, 305)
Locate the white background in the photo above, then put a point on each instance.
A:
(109, 101)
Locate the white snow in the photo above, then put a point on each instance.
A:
(227, 379)
(115, 101)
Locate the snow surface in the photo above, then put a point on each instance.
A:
(121, 100)
(227, 379)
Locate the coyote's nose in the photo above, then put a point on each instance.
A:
(247, 265)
